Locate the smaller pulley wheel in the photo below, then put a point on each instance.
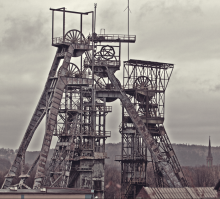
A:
(107, 52)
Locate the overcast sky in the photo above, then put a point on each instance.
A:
(182, 32)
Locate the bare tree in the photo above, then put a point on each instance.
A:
(112, 182)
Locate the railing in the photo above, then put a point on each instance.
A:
(57, 40)
(61, 40)
(97, 133)
(105, 87)
(83, 45)
(73, 106)
(106, 134)
(131, 86)
(100, 37)
(58, 132)
(104, 108)
(115, 37)
(128, 157)
(129, 125)
(126, 125)
(111, 63)
(136, 180)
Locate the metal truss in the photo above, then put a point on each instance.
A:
(144, 83)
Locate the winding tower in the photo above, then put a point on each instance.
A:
(74, 103)
(145, 83)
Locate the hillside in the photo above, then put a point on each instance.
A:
(30, 156)
(195, 155)
(188, 155)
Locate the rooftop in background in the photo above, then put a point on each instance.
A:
(48, 192)
(177, 193)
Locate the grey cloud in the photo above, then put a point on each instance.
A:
(216, 88)
(189, 37)
(191, 119)
(183, 34)
(172, 8)
(25, 62)
(24, 34)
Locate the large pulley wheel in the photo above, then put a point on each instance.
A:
(71, 71)
(74, 36)
(105, 84)
(107, 52)
(102, 83)
(142, 82)
(142, 85)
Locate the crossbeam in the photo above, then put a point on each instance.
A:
(59, 10)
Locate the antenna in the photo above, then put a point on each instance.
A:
(128, 25)
(95, 6)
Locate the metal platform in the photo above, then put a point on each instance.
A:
(114, 38)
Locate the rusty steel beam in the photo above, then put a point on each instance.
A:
(61, 10)
(54, 109)
(55, 104)
(35, 120)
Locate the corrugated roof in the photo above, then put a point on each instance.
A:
(180, 193)
(204, 192)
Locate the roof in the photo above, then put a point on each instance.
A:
(151, 63)
(178, 193)
(48, 190)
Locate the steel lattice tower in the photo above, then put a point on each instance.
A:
(145, 83)
(74, 103)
